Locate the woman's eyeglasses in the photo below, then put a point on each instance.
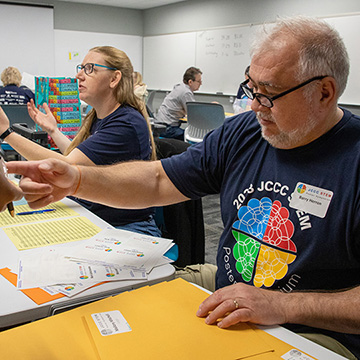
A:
(89, 68)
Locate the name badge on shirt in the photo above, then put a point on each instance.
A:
(311, 199)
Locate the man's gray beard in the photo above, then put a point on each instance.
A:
(292, 138)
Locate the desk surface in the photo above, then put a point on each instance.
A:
(301, 343)
(17, 308)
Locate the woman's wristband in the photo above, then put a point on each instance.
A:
(78, 184)
(6, 133)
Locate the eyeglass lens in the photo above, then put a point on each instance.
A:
(248, 92)
(88, 68)
(268, 101)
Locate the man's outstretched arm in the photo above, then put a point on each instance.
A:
(131, 185)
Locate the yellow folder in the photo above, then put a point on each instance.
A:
(58, 337)
(163, 326)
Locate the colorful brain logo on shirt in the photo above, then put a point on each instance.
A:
(263, 246)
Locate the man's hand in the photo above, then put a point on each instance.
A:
(45, 181)
(243, 303)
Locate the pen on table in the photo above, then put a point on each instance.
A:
(35, 212)
(10, 205)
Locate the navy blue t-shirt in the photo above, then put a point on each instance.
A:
(121, 136)
(15, 95)
(291, 217)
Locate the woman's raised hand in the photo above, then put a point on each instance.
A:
(46, 121)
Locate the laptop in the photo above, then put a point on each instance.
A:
(18, 114)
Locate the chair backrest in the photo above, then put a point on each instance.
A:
(202, 117)
(150, 100)
(150, 113)
(18, 114)
(182, 222)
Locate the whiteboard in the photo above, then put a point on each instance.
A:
(27, 38)
(223, 54)
(166, 58)
(349, 29)
(72, 46)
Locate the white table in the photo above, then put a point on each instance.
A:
(301, 343)
(17, 308)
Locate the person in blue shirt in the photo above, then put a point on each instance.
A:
(114, 130)
(288, 177)
(13, 93)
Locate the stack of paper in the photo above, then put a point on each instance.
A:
(111, 255)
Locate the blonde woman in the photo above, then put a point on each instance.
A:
(114, 130)
(12, 93)
(140, 88)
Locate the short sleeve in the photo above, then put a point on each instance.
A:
(198, 171)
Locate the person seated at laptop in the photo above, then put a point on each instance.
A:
(13, 93)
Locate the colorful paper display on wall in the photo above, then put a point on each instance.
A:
(62, 96)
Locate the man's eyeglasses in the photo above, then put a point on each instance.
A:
(89, 68)
(199, 81)
(267, 101)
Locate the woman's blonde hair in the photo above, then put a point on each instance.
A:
(124, 93)
(11, 75)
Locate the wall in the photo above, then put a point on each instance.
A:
(20, 52)
(196, 15)
(223, 53)
(93, 18)
(190, 15)
(72, 46)
(55, 50)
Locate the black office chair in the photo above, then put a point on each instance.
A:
(18, 114)
(21, 123)
(182, 222)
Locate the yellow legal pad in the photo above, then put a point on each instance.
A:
(163, 326)
(51, 228)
